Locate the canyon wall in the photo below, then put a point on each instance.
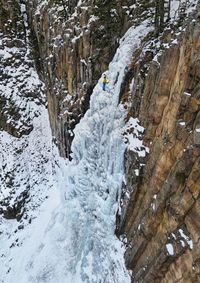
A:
(161, 204)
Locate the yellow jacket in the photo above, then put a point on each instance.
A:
(105, 80)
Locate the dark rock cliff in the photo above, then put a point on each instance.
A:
(160, 213)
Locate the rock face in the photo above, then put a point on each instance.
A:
(160, 214)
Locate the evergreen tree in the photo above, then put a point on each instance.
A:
(162, 14)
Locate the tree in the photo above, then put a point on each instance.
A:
(162, 14)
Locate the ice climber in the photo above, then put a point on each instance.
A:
(105, 81)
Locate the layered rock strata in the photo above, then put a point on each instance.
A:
(161, 204)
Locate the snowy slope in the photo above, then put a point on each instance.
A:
(72, 239)
(27, 155)
(34, 174)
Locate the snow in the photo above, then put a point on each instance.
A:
(182, 243)
(178, 10)
(92, 19)
(187, 93)
(133, 136)
(79, 3)
(176, 5)
(155, 59)
(131, 85)
(153, 206)
(174, 8)
(83, 62)
(170, 249)
(136, 172)
(29, 161)
(155, 196)
(175, 41)
(197, 130)
(186, 238)
(173, 235)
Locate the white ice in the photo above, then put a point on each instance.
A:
(186, 238)
(170, 249)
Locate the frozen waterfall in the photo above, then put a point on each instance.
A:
(74, 241)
